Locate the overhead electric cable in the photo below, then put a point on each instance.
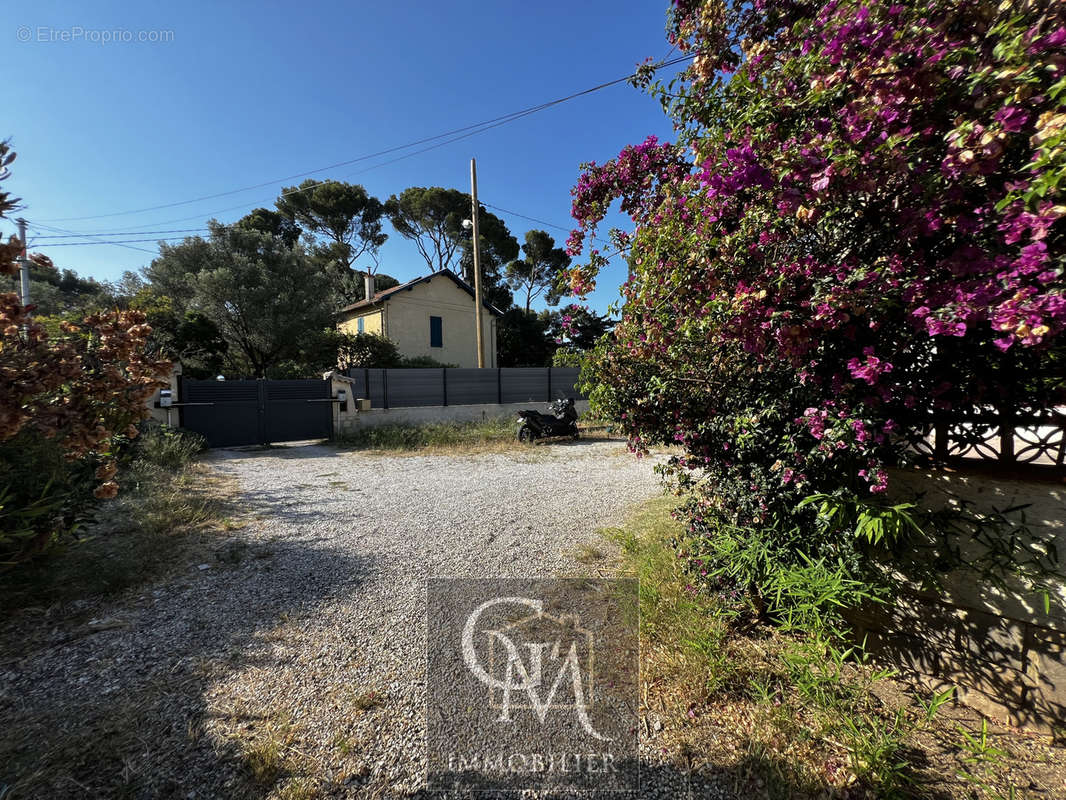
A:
(121, 233)
(467, 130)
(112, 241)
(99, 240)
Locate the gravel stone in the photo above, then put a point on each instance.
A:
(311, 621)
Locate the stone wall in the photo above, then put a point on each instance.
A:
(999, 646)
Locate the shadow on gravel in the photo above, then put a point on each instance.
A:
(292, 450)
(118, 710)
(751, 777)
(709, 782)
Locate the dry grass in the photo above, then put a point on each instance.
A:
(161, 522)
(781, 718)
(364, 701)
(282, 750)
(586, 553)
(157, 522)
(489, 436)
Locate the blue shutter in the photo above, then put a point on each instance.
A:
(436, 332)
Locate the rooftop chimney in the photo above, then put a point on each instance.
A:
(368, 284)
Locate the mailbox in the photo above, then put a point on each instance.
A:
(166, 398)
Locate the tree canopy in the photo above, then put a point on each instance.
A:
(346, 223)
(273, 223)
(263, 295)
(432, 218)
(540, 270)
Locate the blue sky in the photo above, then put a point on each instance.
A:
(245, 93)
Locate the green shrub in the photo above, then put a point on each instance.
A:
(366, 350)
(120, 542)
(568, 357)
(42, 494)
(166, 448)
(414, 362)
(792, 693)
(819, 265)
(46, 496)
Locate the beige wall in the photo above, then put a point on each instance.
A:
(1005, 654)
(407, 316)
(160, 414)
(371, 322)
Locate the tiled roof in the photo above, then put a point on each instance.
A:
(385, 294)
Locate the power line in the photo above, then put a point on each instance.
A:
(100, 240)
(110, 241)
(101, 234)
(38, 226)
(523, 216)
(466, 131)
(122, 233)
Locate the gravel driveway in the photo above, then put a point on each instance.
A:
(298, 649)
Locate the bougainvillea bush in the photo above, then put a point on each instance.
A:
(858, 226)
(66, 404)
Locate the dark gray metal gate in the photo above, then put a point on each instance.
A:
(232, 413)
(399, 388)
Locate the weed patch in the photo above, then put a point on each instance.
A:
(168, 505)
(491, 435)
(791, 710)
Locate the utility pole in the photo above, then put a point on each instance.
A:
(477, 263)
(24, 265)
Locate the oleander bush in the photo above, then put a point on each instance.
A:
(68, 405)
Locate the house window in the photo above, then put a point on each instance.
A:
(436, 332)
(361, 325)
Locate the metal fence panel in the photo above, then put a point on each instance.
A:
(358, 376)
(564, 383)
(368, 383)
(297, 410)
(376, 388)
(524, 384)
(415, 387)
(229, 414)
(398, 388)
(467, 387)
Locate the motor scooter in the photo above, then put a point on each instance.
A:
(561, 421)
